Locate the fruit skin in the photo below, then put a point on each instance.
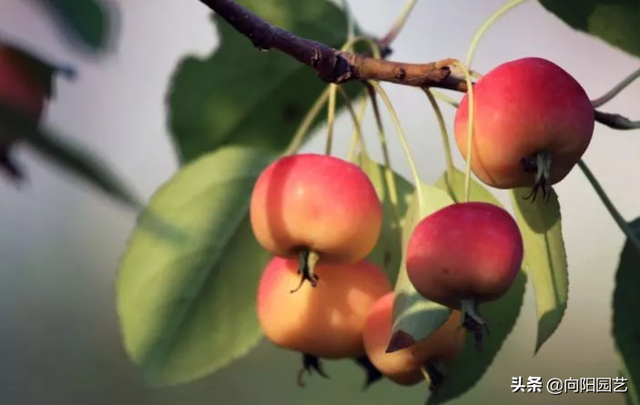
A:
(403, 366)
(25, 87)
(523, 107)
(316, 202)
(466, 251)
(325, 321)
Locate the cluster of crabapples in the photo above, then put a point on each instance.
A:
(23, 89)
(320, 217)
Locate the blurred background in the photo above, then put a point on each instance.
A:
(60, 240)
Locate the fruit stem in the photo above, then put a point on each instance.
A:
(403, 140)
(473, 322)
(388, 171)
(307, 122)
(356, 136)
(608, 96)
(617, 217)
(354, 118)
(307, 261)
(400, 22)
(486, 25)
(331, 117)
(467, 178)
(351, 31)
(443, 97)
(443, 132)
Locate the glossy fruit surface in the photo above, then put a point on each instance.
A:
(324, 321)
(403, 366)
(528, 114)
(318, 203)
(466, 251)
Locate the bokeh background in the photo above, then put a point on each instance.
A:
(60, 241)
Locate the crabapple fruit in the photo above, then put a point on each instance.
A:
(325, 322)
(463, 255)
(317, 207)
(23, 88)
(532, 123)
(404, 366)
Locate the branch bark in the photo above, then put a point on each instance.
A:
(333, 65)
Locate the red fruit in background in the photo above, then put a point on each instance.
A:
(24, 87)
(404, 366)
(316, 205)
(327, 321)
(532, 123)
(463, 255)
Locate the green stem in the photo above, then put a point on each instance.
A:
(307, 122)
(467, 178)
(443, 97)
(403, 140)
(399, 23)
(331, 117)
(616, 90)
(355, 136)
(487, 24)
(354, 118)
(388, 171)
(615, 214)
(443, 131)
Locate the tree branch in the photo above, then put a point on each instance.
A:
(616, 121)
(332, 65)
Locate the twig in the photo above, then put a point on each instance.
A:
(332, 65)
(616, 121)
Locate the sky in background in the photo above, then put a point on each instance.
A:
(60, 240)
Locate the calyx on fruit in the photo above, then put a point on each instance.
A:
(405, 366)
(532, 123)
(463, 255)
(319, 322)
(317, 208)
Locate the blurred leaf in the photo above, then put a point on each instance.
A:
(413, 314)
(187, 309)
(454, 185)
(87, 24)
(240, 95)
(388, 251)
(626, 306)
(545, 259)
(469, 368)
(615, 22)
(79, 162)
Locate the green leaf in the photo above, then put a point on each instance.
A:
(187, 308)
(241, 95)
(626, 306)
(413, 314)
(615, 22)
(88, 24)
(388, 251)
(469, 368)
(78, 161)
(545, 259)
(454, 184)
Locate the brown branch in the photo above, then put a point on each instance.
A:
(332, 65)
(616, 121)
